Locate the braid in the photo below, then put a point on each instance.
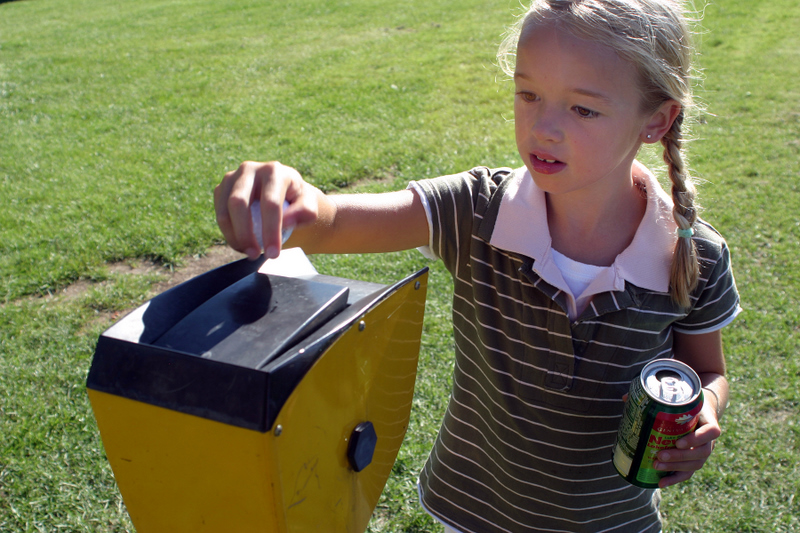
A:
(685, 269)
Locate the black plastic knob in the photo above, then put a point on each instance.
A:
(362, 446)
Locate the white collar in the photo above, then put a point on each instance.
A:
(644, 263)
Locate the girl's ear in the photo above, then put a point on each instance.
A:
(660, 121)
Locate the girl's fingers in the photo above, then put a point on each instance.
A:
(251, 192)
(691, 449)
(232, 207)
(674, 479)
(682, 463)
(280, 186)
(689, 455)
(704, 435)
(689, 460)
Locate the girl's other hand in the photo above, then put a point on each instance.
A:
(691, 451)
(270, 184)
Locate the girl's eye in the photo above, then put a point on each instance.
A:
(585, 113)
(526, 96)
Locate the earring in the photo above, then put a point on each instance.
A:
(649, 136)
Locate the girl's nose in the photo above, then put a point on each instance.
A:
(546, 126)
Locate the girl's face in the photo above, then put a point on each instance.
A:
(577, 112)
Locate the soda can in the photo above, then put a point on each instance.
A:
(663, 405)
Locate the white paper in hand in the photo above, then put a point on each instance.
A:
(255, 213)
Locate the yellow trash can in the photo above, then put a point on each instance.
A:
(241, 401)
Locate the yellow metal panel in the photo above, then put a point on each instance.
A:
(181, 473)
(368, 374)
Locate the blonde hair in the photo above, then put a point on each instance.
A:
(654, 37)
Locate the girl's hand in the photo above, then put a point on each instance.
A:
(342, 223)
(691, 451)
(270, 184)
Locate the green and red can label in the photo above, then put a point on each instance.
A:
(663, 405)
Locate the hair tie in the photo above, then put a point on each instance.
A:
(685, 233)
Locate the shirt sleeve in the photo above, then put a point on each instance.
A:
(420, 191)
(716, 299)
(453, 205)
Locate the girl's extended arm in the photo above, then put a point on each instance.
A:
(347, 223)
(704, 354)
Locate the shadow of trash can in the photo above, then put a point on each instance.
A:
(248, 401)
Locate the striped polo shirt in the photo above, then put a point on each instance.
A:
(525, 444)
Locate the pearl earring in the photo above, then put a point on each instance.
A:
(649, 136)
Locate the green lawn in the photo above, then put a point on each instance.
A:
(118, 118)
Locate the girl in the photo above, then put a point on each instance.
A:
(570, 273)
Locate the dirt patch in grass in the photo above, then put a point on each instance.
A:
(192, 267)
(170, 277)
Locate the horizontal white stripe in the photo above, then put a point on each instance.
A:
(537, 368)
(493, 505)
(508, 490)
(531, 406)
(488, 439)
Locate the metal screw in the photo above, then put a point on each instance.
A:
(362, 325)
(278, 430)
(416, 286)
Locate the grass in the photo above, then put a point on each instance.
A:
(121, 118)
(117, 119)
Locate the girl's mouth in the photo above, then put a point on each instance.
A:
(546, 164)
